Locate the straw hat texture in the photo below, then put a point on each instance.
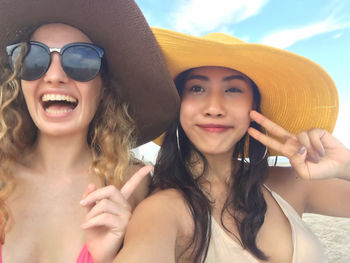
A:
(296, 93)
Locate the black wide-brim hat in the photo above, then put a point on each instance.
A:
(133, 56)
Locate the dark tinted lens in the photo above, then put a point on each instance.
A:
(81, 63)
(14, 56)
(35, 63)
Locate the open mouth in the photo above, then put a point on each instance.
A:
(58, 103)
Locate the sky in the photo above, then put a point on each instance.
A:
(316, 29)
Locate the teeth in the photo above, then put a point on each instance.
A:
(57, 112)
(58, 97)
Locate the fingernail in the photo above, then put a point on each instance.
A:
(301, 150)
(83, 202)
(321, 153)
(315, 158)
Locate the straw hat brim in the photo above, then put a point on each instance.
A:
(118, 26)
(297, 93)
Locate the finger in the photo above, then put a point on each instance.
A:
(107, 220)
(89, 189)
(270, 126)
(112, 193)
(130, 186)
(288, 148)
(298, 163)
(107, 206)
(108, 192)
(305, 140)
(264, 139)
(316, 136)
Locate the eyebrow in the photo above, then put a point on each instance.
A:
(228, 78)
(233, 77)
(200, 77)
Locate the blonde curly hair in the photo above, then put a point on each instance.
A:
(111, 133)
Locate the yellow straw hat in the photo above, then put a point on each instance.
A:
(296, 92)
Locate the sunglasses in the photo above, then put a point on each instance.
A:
(80, 61)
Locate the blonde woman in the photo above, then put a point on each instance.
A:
(72, 98)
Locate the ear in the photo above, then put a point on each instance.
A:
(254, 106)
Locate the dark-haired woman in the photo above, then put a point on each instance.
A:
(215, 198)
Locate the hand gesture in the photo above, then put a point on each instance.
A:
(108, 213)
(314, 154)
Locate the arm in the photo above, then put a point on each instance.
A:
(329, 197)
(320, 196)
(329, 192)
(154, 231)
(108, 213)
(318, 158)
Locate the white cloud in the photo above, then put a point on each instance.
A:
(198, 16)
(288, 37)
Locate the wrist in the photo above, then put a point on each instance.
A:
(107, 256)
(345, 172)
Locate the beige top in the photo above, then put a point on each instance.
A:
(306, 247)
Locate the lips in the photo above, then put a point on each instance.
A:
(214, 127)
(58, 104)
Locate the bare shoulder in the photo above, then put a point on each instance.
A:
(279, 176)
(171, 204)
(142, 189)
(285, 182)
(160, 208)
(156, 224)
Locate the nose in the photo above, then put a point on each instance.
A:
(55, 73)
(215, 106)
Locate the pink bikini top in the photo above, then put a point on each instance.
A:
(84, 256)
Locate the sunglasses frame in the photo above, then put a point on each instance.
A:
(100, 52)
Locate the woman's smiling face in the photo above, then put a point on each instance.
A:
(59, 105)
(215, 108)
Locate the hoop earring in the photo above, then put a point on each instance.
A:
(265, 153)
(177, 139)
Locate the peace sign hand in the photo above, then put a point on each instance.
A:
(314, 154)
(108, 214)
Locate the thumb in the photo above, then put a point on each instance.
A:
(298, 162)
(130, 186)
(89, 189)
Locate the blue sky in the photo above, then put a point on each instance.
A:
(316, 29)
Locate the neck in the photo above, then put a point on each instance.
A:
(219, 167)
(59, 156)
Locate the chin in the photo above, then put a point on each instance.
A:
(216, 150)
(59, 131)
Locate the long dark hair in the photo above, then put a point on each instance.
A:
(173, 170)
